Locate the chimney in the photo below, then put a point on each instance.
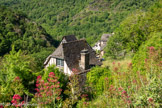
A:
(84, 62)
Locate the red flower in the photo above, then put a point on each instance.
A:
(1, 106)
(124, 92)
(37, 85)
(37, 89)
(49, 79)
(118, 64)
(115, 69)
(51, 74)
(58, 98)
(150, 100)
(17, 78)
(46, 84)
(106, 78)
(16, 96)
(39, 77)
(15, 101)
(120, 88)
(151, 48)
(129, 65)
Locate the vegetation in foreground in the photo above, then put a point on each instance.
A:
(23, 82)
(114, 87)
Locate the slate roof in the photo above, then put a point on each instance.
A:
(72, 54)
(58, 53)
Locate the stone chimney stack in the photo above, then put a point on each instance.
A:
(84, 62)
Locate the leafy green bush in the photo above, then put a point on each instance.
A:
(96, 79)
(17, 64)
(140, 57)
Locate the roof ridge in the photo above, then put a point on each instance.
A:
(74, 41)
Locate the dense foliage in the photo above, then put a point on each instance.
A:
(84, 18)
(96, 79)
(135, 30)
(140, 57)
(16, 29)
(16, 74)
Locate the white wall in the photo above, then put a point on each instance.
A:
(51, 62)
(67, 71)
(97, 46)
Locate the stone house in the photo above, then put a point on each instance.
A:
(101, 44)
(73, 56)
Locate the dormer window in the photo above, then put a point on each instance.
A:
(59, 62)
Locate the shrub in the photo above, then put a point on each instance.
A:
(96, 79)
(48, 93)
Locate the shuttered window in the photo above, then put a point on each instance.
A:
(59, 62)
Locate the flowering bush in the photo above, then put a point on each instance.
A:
(134, 89)
(14, 87)
(16, 101)
(48, 93)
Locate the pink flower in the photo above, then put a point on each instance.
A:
(37, 89)
(37, 85)
(51, 74)
(41, 88)
(106, 78)
(118, 64)
(49, 79)
(74, 70)
(129, 65)
(115, 69)
(16, 96)
(150, 100)
(47, 87)
(17, 78)
(39, 77)
(151, 48)
(124, 92)
(129, 101)
(120, 88)
(46, 84)
(58, 98)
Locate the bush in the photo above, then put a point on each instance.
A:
(96, 79)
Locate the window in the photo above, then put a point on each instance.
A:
(59, 62)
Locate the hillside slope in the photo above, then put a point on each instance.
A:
(135, 30)
(17, 30)
(84, 18)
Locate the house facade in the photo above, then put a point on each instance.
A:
(101, 44)
(73, 56)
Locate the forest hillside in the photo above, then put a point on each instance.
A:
(84, 18)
